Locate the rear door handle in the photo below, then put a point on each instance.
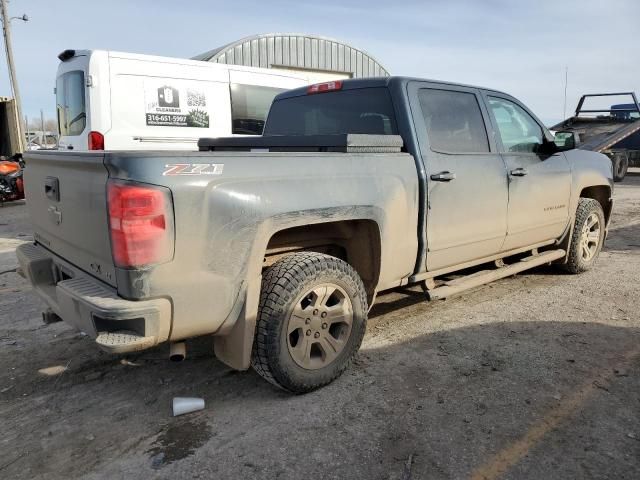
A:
(443, 176)
(519, 172)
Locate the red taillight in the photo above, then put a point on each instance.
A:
(324, 87)
(96, 141)
(140, 223)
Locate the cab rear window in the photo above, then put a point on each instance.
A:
(70, 103)
(365, 110)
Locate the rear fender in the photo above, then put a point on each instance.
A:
(234, 341)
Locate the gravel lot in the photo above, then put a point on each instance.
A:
(532, 377)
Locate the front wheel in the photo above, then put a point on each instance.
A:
(588, 236)
(311, 320)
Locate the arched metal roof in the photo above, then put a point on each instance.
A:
(297, 51)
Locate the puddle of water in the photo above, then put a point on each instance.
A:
(178, 441)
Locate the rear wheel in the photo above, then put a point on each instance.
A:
(588, 236)
(620, 167)
(311, 320)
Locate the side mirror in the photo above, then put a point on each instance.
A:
(565, 141)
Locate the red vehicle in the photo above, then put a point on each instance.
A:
(11, 184)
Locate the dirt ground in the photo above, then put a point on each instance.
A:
(532, 377)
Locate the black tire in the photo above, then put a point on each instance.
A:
(577, 263)
(620, 167)
(283, 286)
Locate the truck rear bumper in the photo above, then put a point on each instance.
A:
(117, 325)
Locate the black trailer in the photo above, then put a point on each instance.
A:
(614, 131)
(9, 139)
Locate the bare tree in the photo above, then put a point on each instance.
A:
(35, 124)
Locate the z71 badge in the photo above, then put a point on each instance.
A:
(193, 169)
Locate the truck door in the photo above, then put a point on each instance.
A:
(539, 185)
(466, 177)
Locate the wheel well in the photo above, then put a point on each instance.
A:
(602, 194)
(357, 242)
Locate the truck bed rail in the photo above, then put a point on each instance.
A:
(347, 143)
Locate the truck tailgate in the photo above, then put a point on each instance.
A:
(66, 200)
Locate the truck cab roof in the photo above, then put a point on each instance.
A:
(392, 81)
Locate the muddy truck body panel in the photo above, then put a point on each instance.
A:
(369, 184)
(224, 221)
(67, 204)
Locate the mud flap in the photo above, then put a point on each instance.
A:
(234, 348)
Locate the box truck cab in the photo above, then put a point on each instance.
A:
(122, 101)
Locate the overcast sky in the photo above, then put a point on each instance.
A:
(518, 46)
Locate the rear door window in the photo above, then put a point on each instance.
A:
(70, 100)
(364, 110)
(454, 121)
(249, 107)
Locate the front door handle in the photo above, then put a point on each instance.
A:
(519, 172)
(443, 176)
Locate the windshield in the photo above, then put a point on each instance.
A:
(365, 110)
(70, 103)
(249, 107)
(625, 115)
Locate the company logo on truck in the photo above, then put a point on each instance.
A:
(168, 97)
(193, 169)
(181, 103)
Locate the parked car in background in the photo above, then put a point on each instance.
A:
(126, 101)
(278, 245)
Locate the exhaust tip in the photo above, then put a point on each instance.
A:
(177, 351)
(49, 317)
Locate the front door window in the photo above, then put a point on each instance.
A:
(520, 133)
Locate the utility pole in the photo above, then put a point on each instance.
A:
(6, 28)
(566, 81)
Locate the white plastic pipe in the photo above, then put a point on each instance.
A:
(182, 405)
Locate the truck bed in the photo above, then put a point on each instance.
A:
(224, 207)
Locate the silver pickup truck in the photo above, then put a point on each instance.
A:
(278, 245)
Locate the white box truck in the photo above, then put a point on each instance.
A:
(123, 101)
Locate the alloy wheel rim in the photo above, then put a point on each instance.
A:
(319, 326)
(590, 237)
